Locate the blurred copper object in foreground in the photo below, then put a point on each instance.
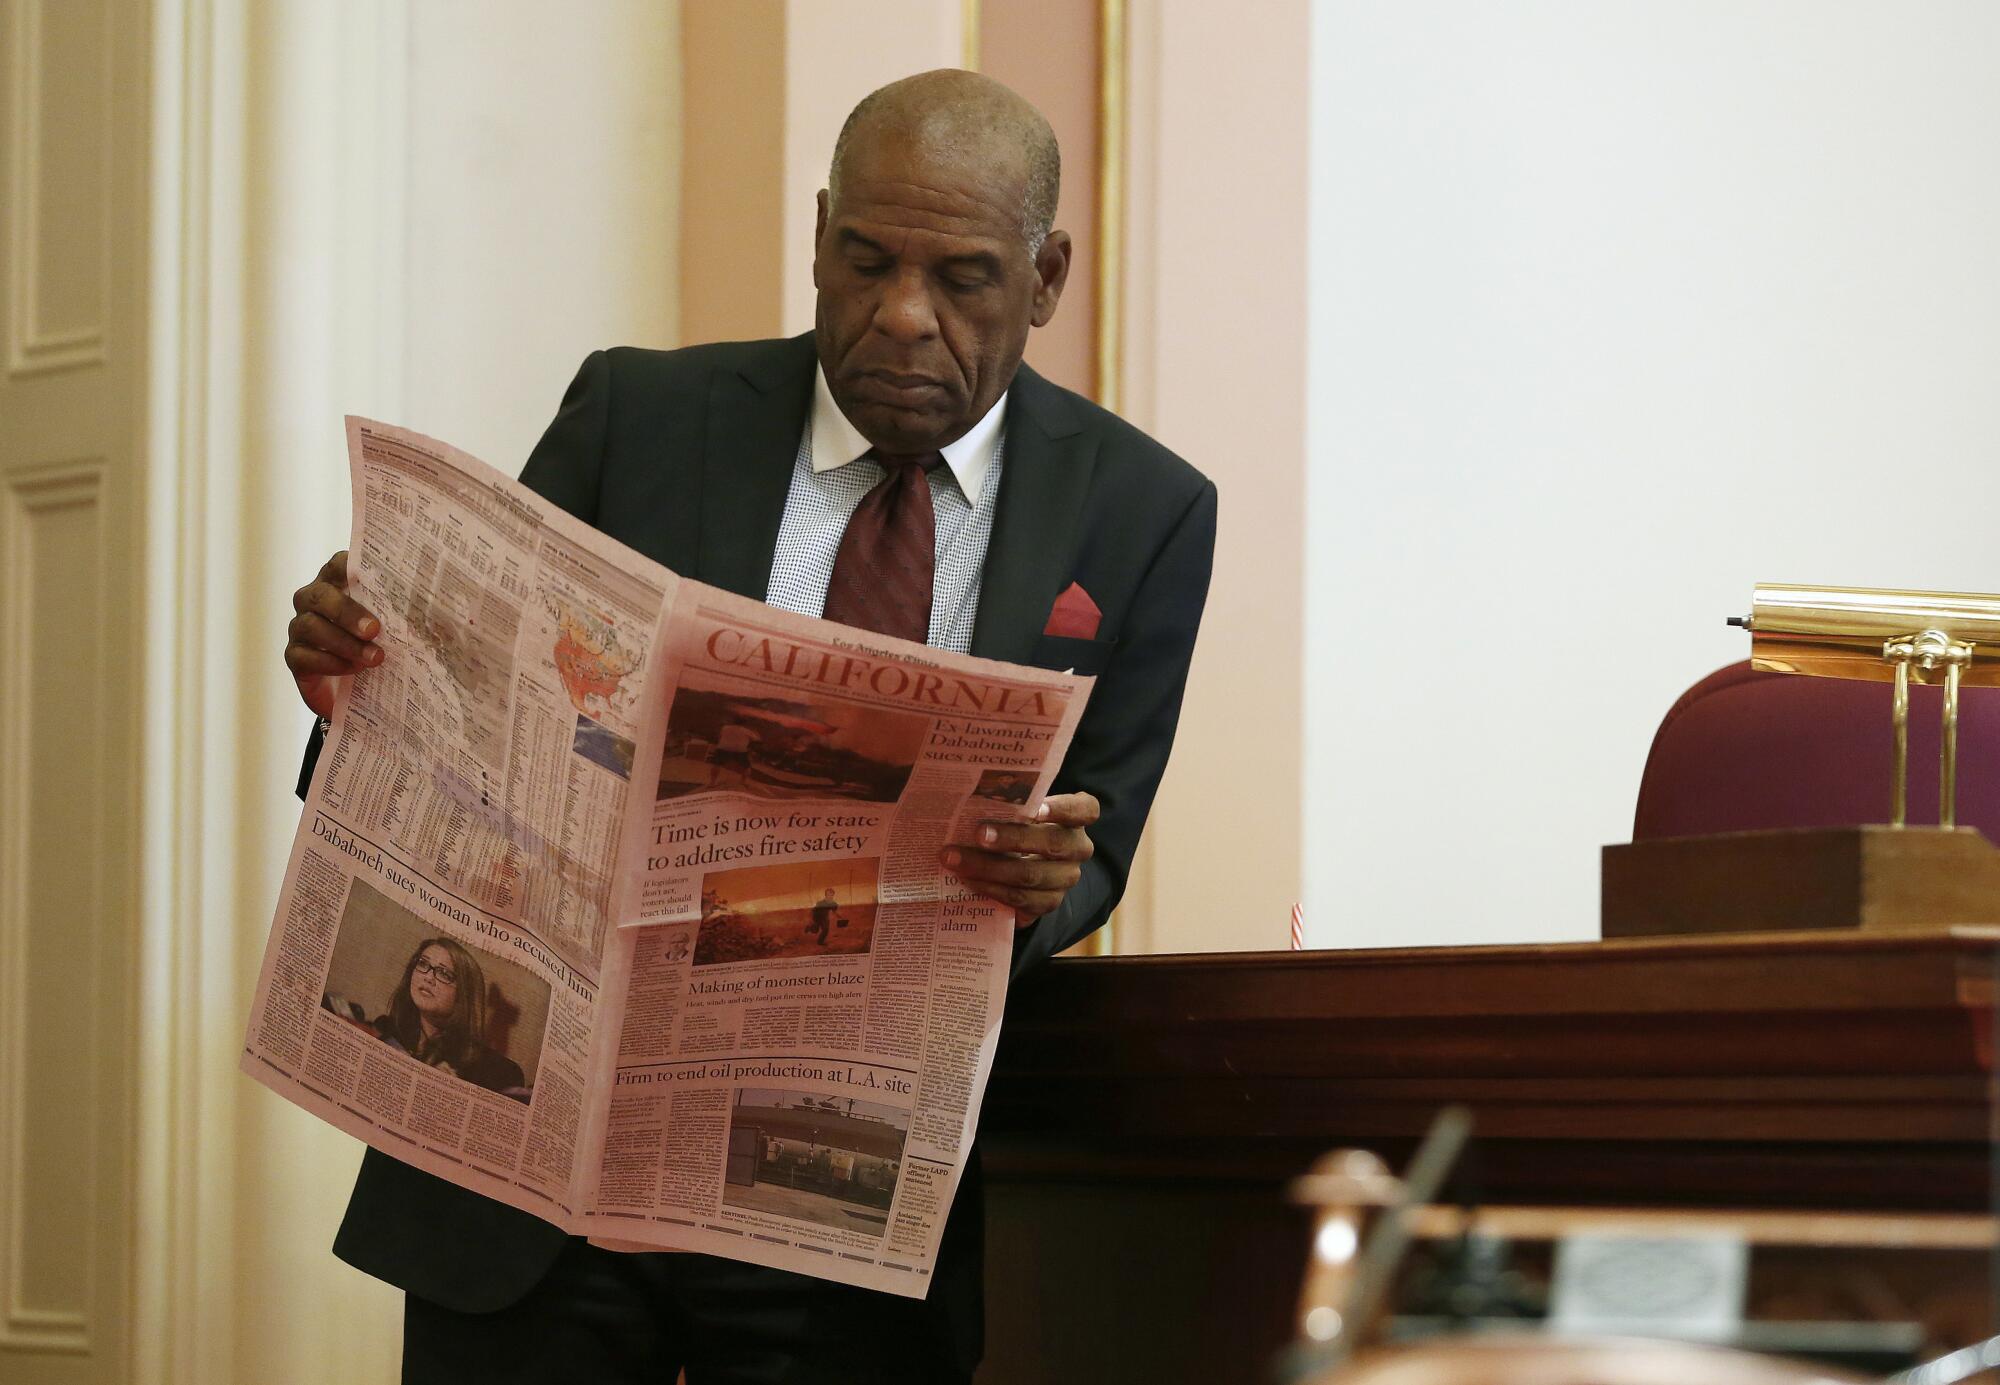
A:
(1352, 1265)
(1884, 636)
(1344, 1185)
(1347, 1280)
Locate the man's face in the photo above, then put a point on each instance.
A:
(926, 292)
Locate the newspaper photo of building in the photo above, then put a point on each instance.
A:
(825, 1159)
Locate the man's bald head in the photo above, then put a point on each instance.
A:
(966, 119)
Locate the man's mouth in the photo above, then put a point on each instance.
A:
(898, 388)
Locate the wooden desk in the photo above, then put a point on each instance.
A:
(1145, 1112)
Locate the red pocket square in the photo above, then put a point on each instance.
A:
(1074, 616)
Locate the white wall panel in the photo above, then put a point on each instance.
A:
(72, 128)
(59, 186)
(60, 976)
(544, 171)
(1616, 310)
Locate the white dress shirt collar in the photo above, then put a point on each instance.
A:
(836, 442)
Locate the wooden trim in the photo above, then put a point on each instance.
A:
(1109, 333)
(1110, 202)
(1768, 1068)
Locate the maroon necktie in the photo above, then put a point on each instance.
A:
(882, 574)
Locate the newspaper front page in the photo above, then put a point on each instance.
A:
(742, 1010)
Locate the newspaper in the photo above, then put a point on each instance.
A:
(741, 1011)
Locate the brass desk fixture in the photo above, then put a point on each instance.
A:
(1871, 876)
(1884, 636)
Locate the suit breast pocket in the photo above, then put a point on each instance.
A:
(1083, 656)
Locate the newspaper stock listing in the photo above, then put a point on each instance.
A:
(617, 898)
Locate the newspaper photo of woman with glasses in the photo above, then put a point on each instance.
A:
(467, 1012)
(438, 1013)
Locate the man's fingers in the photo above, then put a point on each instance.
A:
(334, 604)
(1058, 830)
(1028, 905)
(1030, 865)
(1031, 874)
(326, 595)
(306, 662)
(1034, 839)
(330, 636)
(310, 630)
(1069, 809)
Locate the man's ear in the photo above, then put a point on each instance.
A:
(819, 233)
(1051, 273)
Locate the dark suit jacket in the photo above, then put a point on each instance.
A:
(687, 456)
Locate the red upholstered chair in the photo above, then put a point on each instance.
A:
(1743, 750)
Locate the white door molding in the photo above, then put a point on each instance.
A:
(185, 1282)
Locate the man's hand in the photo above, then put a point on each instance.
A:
(330, 637)
(1030, 865)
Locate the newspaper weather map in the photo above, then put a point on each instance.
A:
(591, 659)
(465, 660)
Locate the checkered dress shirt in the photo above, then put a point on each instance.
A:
(816, 513)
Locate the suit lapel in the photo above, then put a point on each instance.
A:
(1043, 482)
(756, 415)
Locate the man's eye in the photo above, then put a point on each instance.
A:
(871, 268)
(959, 283)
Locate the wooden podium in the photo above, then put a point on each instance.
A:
(1146, 1112)
(1875, 877)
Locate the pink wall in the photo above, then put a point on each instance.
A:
(766, 86)
(835, 54)
(1048, 51)
(733, 226)
(1215, 369)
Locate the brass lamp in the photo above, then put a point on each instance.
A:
(1885, 636)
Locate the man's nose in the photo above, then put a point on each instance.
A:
(905, 311)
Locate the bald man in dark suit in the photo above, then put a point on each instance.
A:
(1061, 537)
